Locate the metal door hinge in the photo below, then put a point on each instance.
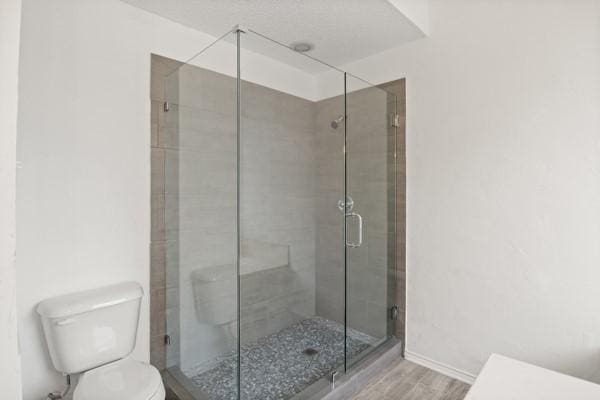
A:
(167, 340)
(166, 106)
(395, 120)
(394, 313)
(333, 377)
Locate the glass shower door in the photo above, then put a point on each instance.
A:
(370, 216)
(291, 261)
(198, 133)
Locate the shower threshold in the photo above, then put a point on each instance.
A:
(278, 366)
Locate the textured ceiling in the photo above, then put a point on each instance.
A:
(340, 30)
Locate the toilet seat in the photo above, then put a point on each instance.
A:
(125, 379)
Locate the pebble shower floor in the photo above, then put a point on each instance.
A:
(278, 367)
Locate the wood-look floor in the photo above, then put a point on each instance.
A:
(402, 381)
(408, 381)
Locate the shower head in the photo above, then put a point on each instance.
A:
(336, 122)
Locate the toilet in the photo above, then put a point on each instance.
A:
(92, 333)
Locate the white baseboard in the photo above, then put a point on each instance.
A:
(440, 367)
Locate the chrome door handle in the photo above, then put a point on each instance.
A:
(360, 230)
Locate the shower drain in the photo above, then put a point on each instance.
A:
(310, 351)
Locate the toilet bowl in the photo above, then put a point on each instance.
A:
(92, 334)
(123, 379)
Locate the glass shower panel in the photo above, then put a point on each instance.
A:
(199, 135)
(370, 220)
(291, 261)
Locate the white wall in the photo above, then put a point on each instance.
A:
(10, 363)
(417, 11)
(83, 193)
(503, 177)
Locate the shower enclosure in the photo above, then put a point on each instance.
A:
(278, 220)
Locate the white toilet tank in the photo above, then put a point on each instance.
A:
(90, 328)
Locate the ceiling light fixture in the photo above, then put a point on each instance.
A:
(301, 47)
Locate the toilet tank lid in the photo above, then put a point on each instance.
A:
(89, 300)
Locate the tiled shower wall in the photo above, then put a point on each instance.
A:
(277, 206)
(398, 88)
(160, 241)
(330, 223)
